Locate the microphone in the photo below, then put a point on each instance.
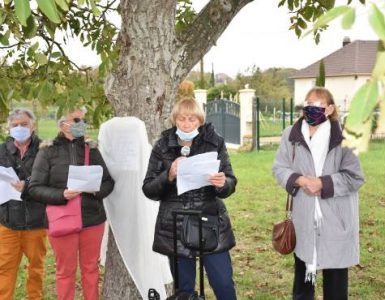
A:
(185, 151)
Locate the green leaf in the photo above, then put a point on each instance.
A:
(376, 20)
(41, 58)
(3, 103)
(379, 67)
(10, 95)
(45, 90)
(282, 2)
(2, 17)
(328, 17)
(301, 23)
(328, 4)
(362, 106)
(56, 54)
(62, 4)
(348, 19)
(307, 12)
(298, 31)
(31, 28)
(4, 38)
(34, 47)
(381, 117)
(81, 2)
(95, 10)
(358, 142)
(97, 115)
(290, 4)
(48, 7)
(23, 11)
(51, 28)
(331, 15)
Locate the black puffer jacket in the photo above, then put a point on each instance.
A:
(208, 199)
(26, 214)
(50, 174)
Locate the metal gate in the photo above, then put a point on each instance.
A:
(224, 115)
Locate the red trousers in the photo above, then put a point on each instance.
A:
(84, 245)
(13, 244)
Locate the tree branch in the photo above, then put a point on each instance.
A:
(57, 44)
(204, 31)
(10, 46)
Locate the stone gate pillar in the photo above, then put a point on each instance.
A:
(246, 107)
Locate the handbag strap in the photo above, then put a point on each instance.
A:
(289, 200)
(86, 154)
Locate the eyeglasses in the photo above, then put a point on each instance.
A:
(74, 120)
(77, 120)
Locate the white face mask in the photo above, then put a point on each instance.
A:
(20, 133)
(187, 136)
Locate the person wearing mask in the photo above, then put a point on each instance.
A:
(190, 132)
(324, 178)
(49, 184)
(22, 223)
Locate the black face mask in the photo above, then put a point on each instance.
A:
(314, 115)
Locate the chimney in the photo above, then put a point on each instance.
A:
(346, 41)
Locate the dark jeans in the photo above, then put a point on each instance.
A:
(335, 283)
(219, 272)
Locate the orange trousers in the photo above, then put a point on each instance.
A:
(13, 244)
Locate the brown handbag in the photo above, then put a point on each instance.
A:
(283, 232)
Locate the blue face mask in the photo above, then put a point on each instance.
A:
(20, 133)
(187, 136)
(78, 129)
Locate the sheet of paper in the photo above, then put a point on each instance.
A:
(8, 192)
(8, 175)
(85, 178)
(193, 172)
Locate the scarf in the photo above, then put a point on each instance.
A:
(318, 145)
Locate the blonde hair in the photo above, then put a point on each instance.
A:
(189, 105)
(325, 94)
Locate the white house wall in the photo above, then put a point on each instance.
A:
(343, 89)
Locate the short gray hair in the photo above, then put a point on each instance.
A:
(63, 117)
(17, 112)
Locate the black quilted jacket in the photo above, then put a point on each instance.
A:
(50, 174)
(26, 214)
(208, 199)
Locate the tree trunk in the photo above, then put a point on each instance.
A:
(142, 86)
(153, 61)
(120, 286)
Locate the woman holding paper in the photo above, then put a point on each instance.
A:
(191, 136)
(49, 185)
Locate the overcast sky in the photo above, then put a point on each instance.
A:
(259, 36)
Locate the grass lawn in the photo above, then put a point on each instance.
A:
(47, 129)
(259, 272)
(272, 127)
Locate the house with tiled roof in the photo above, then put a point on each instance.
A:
(346, 70)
